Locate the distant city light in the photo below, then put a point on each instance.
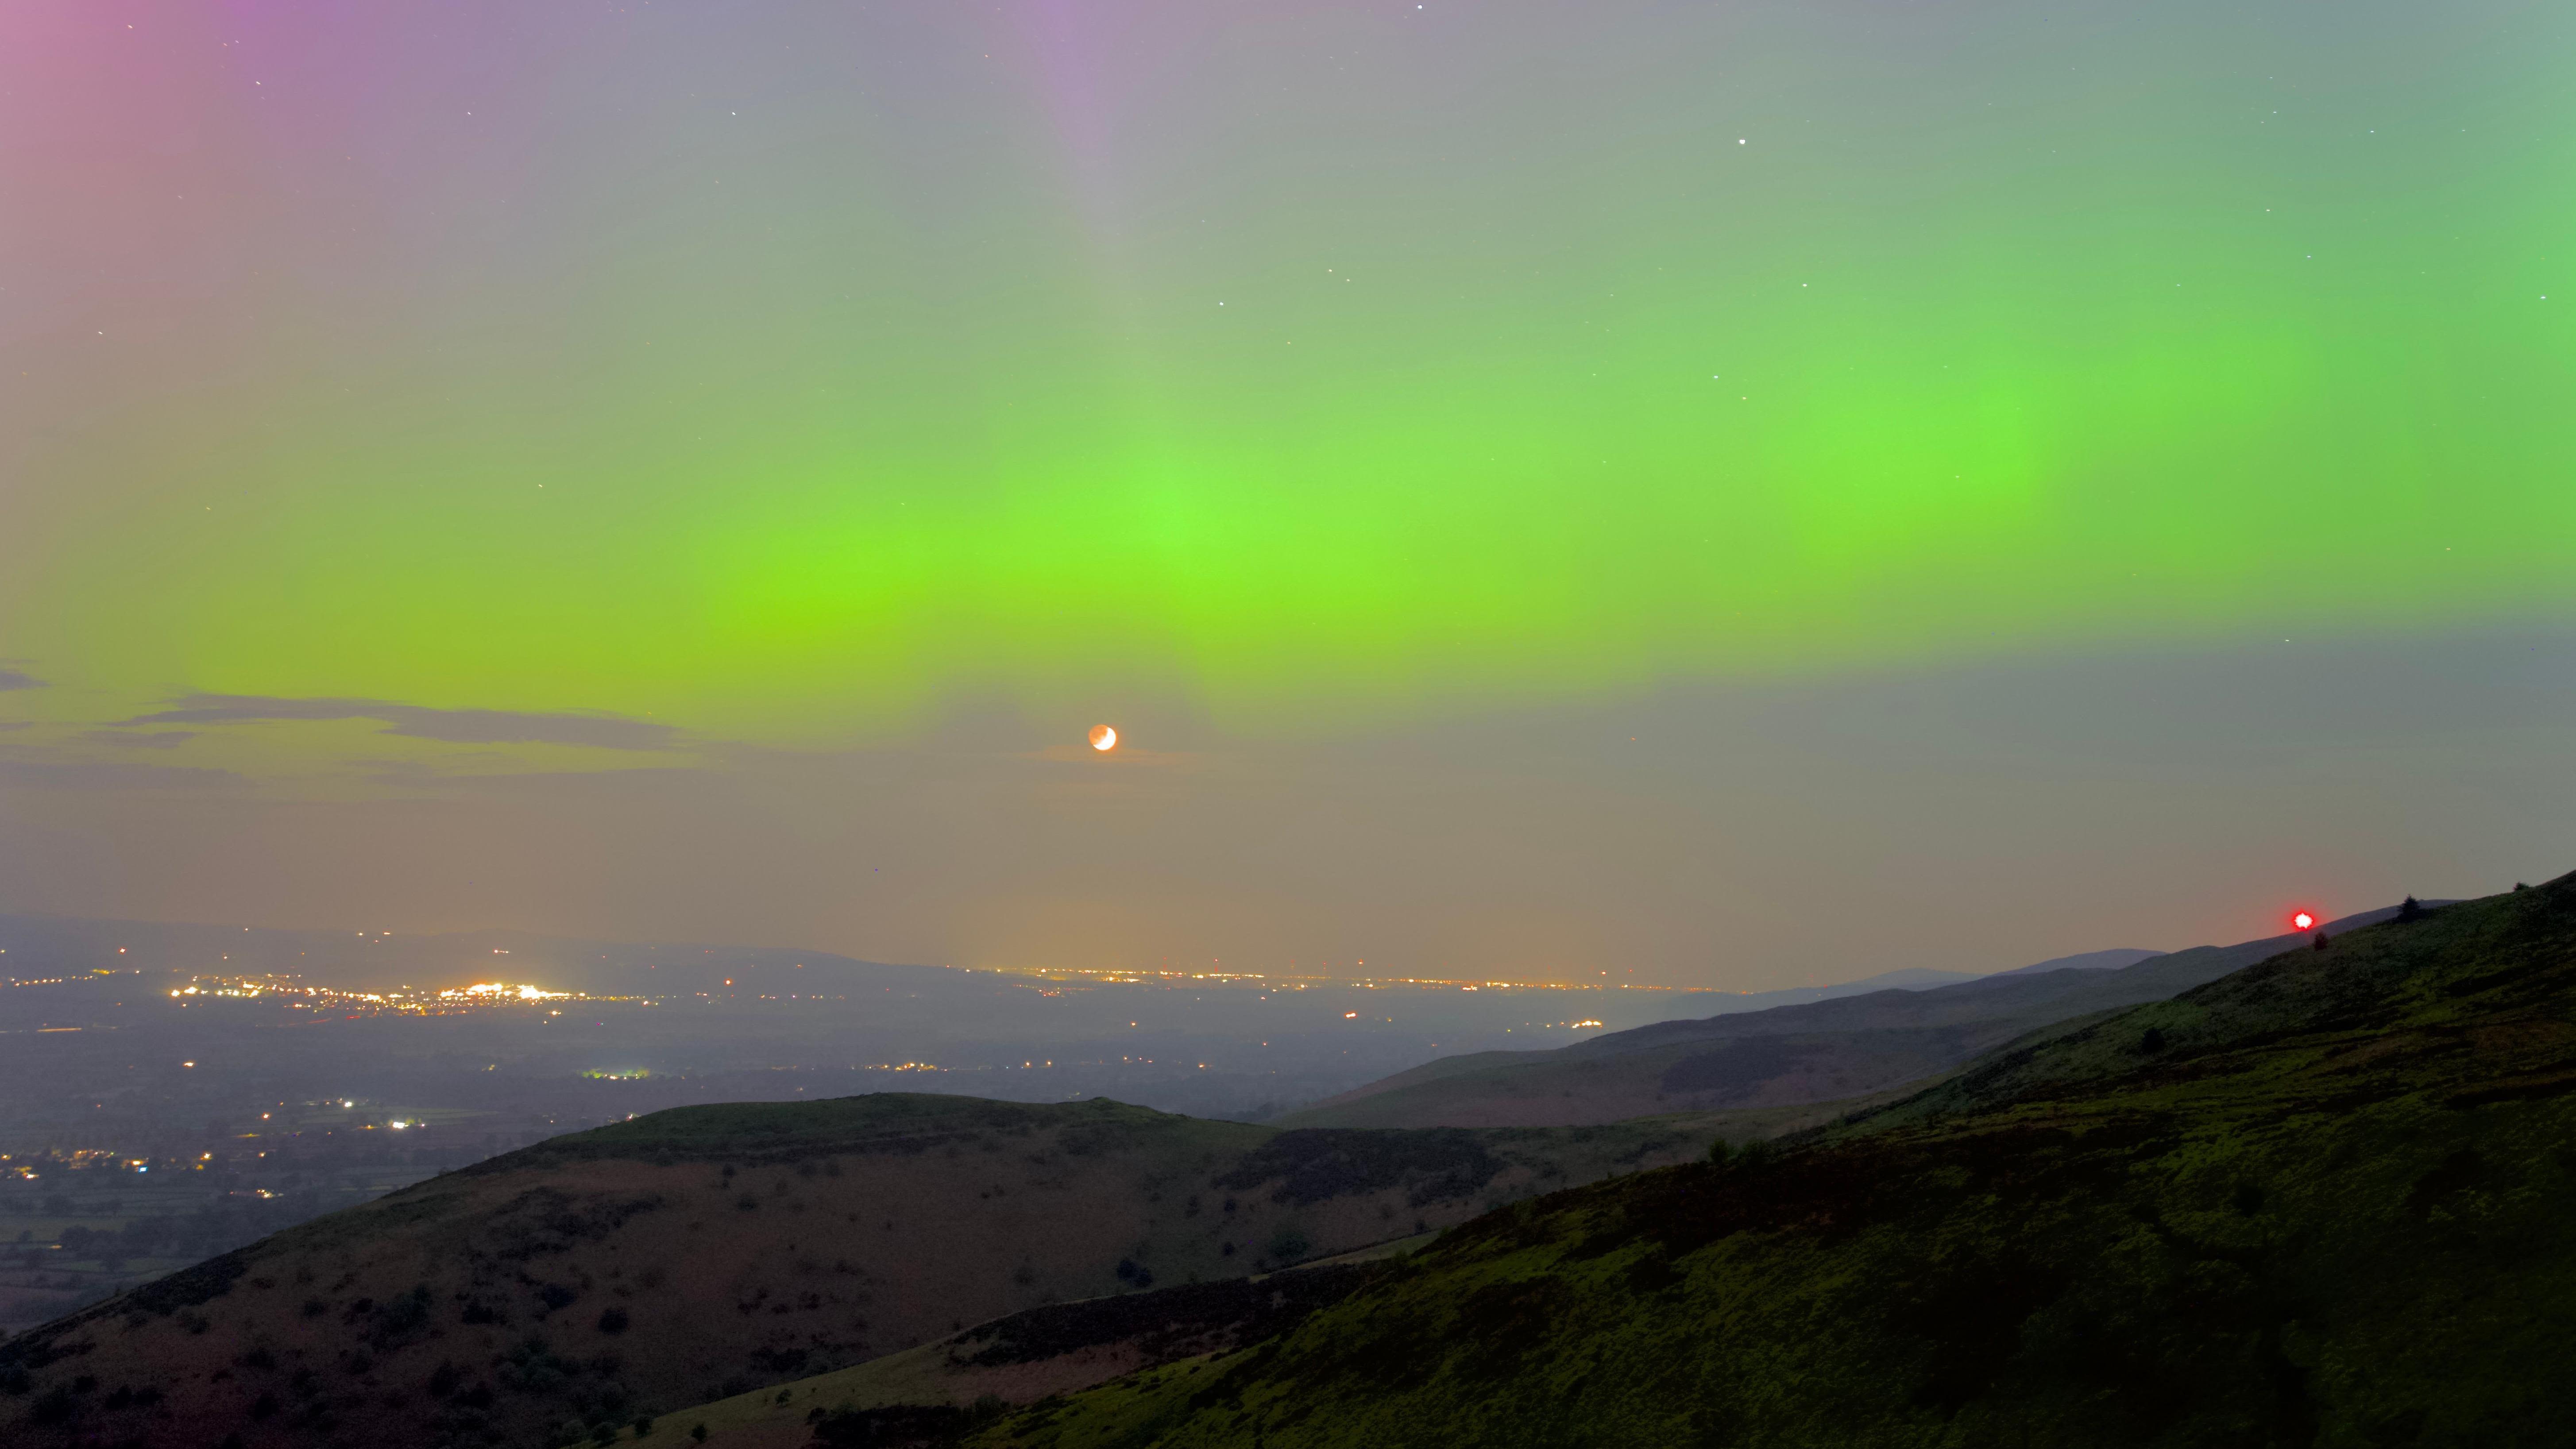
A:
(489, 990)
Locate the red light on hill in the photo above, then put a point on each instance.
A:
(2304, 921)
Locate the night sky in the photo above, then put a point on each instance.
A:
(1730, 493)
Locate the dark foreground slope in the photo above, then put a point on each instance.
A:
(2321, 1201)
(932, 1395)
(705, 1251)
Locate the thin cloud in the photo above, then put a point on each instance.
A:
(453, 726)
(110, 775)
(158, 740)
(11, 679)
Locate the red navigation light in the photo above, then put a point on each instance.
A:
(2304, 921)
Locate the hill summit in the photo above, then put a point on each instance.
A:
(2321, 1200)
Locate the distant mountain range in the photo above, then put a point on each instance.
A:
(378, 960)
(1920, 978)
(2111, 960)
(1845, 1042)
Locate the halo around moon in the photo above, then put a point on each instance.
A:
(1104, 738)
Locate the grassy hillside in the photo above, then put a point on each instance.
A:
(1785, 1058)
(941, 1389)
(2321, 1201)
(704, 1252)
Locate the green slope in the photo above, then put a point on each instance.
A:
(2326, 1201)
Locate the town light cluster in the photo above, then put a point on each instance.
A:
(501, 990)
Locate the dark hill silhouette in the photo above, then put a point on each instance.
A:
(705, 1251)
(2321, 1200)
(2111, 960)
(1787, 1056)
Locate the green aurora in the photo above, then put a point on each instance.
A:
(1340, 356)
(1733, 494)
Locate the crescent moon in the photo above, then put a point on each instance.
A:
(1104, 738)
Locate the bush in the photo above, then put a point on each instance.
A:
(910, 1424)
(1717, 1153)
(2409, 911)
(698, 1432)
(404, 1315)
(612, 1320)
(2153, 1041)
(53, 1407)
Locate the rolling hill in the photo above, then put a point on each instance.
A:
(2319, 1201)
(703, 1252)
(936, 1391)
(1844, 1047)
